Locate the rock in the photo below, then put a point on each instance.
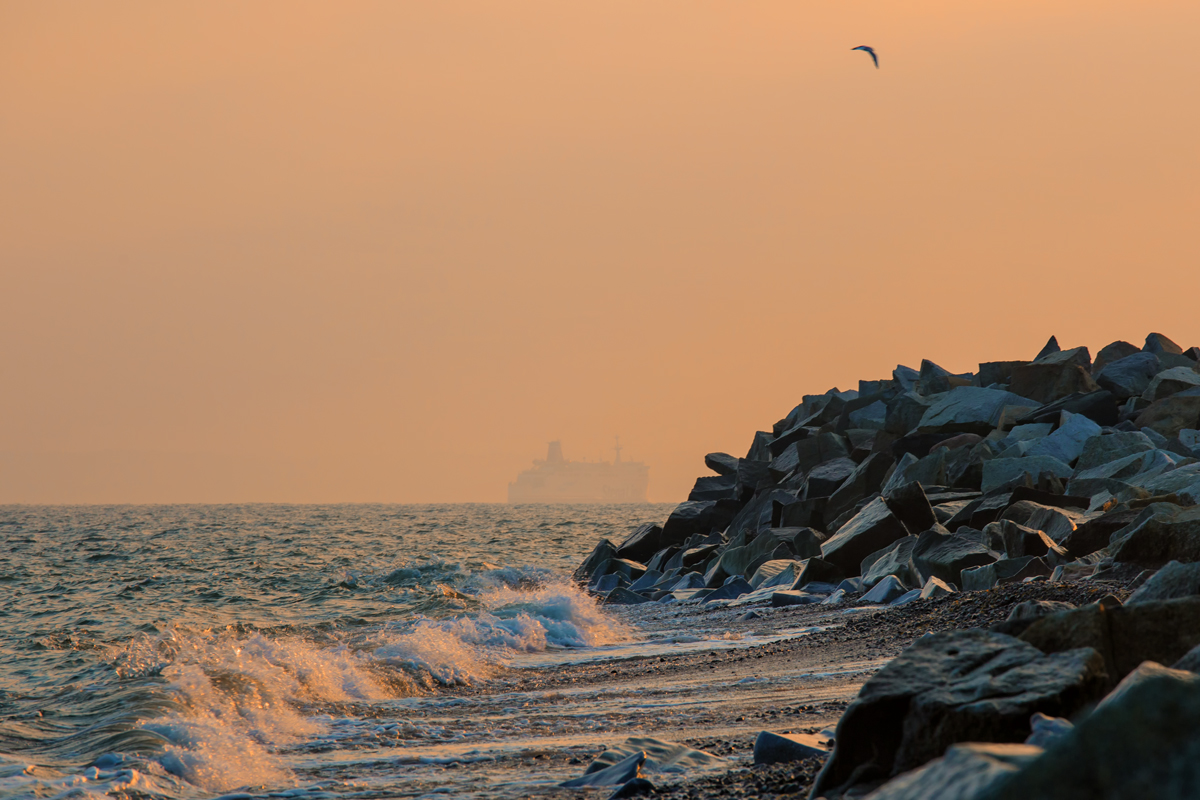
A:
(872, 529)
(893, 560)
(1172, 414)
(929, 470)
(851, 586)
(1174, 580)
(906, 598)
(1098, 406)
(1144, 744)
(1162, 631)
(732, 589)
(623, 771)
(1067, 443)
(722, 463)
(824, 479)
(1045, 382)
(935, 587)
(1000, 472)
(1025, 614)
(997, 372)
(602, 552)
(969, 409)
(642, 544)
(1128, 377)
(887, 590)
(816, 570)
(1109, 447)
(696, 517)
(806, 542)
(963, 773)
(1157, 343)
(792, 597)
(911, 507)
(1006, 570)
(624, 597)
(1162, 538)
(1191, 661)
(638, 787)
(1113, 352)
(715, 487)
(649, 579)
(955, 442)
(1171, 381)
(603, 584)
(773, 569)
(782, 748)
(904, 412)
(865, 480)
(948, 688)
(1016, 540)
(945, 555)
(1047, 730)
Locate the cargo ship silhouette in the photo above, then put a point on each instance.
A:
(557, 480)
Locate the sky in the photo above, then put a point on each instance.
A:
(384, 252)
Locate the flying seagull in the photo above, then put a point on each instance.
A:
(869, 51)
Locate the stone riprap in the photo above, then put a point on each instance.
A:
(1060, 468)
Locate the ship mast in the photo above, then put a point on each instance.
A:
(617, 447)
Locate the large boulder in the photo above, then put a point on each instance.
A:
(1109, 447)
(824, 479)
(1158, 343)
(904, 412)
(969, 409)
(1099, 406)
(1129, 376)
(1000, 472)
(1006, 570)
(1095, 533)
(895, 560)
(1162, 631)
(602, 552)
(1016, 540)
(722, 463)
(871, 529)
(1066, 443)
(951, 687)
(945, 555)
(642, 544)
(962, 774)
(1045, 381)
(696, 517)
(1162, 538)
(1172, 414)
(866, 480)
(1173, 581)
(1172, 381)
(1113, 352)
(715, 487)
(911, 505)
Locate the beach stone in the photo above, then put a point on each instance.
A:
(969, 409)
(1158, 343)
(1130, 376)
(1066, 444)
(694, 517)
(1162, 538)
(638, 787)
(660, 757)
(1172, 414)
(952, 687)
(966, 771)
(603, 584)
(906, 598)
(851, 586)
(1000, 472)
(871, 529)
(642, 544)
(1161, 630)
(1006, 570)
(885, 591)
(722, 463)
(1025, 614)
(1172, 581)
(1171, 381)
(793, 597)
(895, 559)
(773, 569)
(648, 580)
(690, 580)
(622, 772)
(945, 555)
(929, 470)
(1143, 744)
(824, 479)
(602, 552)
(805, 542)
(782, 748)
(1113, 352)
(935, 587)
(624, 597)
(1045, 382)
(732, 589)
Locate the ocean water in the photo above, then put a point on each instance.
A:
(270, 650)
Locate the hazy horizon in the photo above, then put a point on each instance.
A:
(380, 252)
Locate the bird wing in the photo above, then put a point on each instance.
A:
(874, 57)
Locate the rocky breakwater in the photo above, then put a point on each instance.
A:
(1063, 468)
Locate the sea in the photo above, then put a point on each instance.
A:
(200, 651)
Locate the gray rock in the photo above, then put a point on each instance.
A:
(906, 598)
(715, 487)
(963, 773)
(1172, 581)
(911, 506)
(1066, 444)
(935, 587)
(817, 570)
(638, 787)
(1045, 730)
(969, 409)
(824, 479)
(837, 598)
(1000, 472)
(648, 579)
(603, 551)
(1158, 343)
(1162, 538)
(1006, 570)
(1016, 540)
(605, 584)
(783, 748)
(768, 572)
(1162, 631)
(642, 544)
(1046, 381)
(623, 771)
(945, 555)
(852, 586)
(1113, 352)
(722, 463)
(657, 757)
(866, 480)
(732, 589)
(1144, 744)
(1110, 447)
(1130, 376)
(791, 597)
(1190, 660)
(1172, 414)
(871, 529)
(929, 470)
(948, 688)
(1049, 348)
(885, 591)
(895, 559)
(904, 412)
(624, 597)
(1171, 381)
(1057, 523)
(695, 517)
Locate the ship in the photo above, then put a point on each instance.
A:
(557, 480)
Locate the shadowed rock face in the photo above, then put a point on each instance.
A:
(953, 687)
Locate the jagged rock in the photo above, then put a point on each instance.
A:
(806, 542)
(732, 589)
(695, 517)
(1098, 406)
(929, 470)
(1006, 570)
(794, 597)
(656, 757)
(1015, 540)
(715, 487)
(1172, 414)
(642, 544)
(622, 772)
(873, 528)
(624, 597)
(1162, 631)
(751, 475)
(935, 380)
(1000, 472)
(948, 688)
(1095, 533)
(649, 579)
(969, 409)
(1143, 744)
(638, 787)
(1050, 347)
(1045, 381)
(966, 771)
(935, 587)
(904, 412)
(1109, 447)
(945, 555)
(911, 507)
(1162, 538)
(1157, 343)
(1025, 614)
(1130, 376)
(887, 590)
(783, 748)
(894, 560)
(1056, 523)
(1191, 661)
(955, 442)
(1171, 381)
(602, 552)
(799, 513)
(1113, 352)
(759, 449)
(1047, 730)
(824, 479)
(722, 463)
(1067, 443)
(766, 574)
(603, 584)
(816, 570)
(997, 372)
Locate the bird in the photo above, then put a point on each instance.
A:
(869, 51)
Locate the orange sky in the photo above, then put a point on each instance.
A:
(358, 251)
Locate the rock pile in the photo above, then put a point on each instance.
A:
(1062, 468)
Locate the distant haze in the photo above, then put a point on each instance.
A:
(380, 251)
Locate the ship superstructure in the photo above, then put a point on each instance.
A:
(556, 480)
